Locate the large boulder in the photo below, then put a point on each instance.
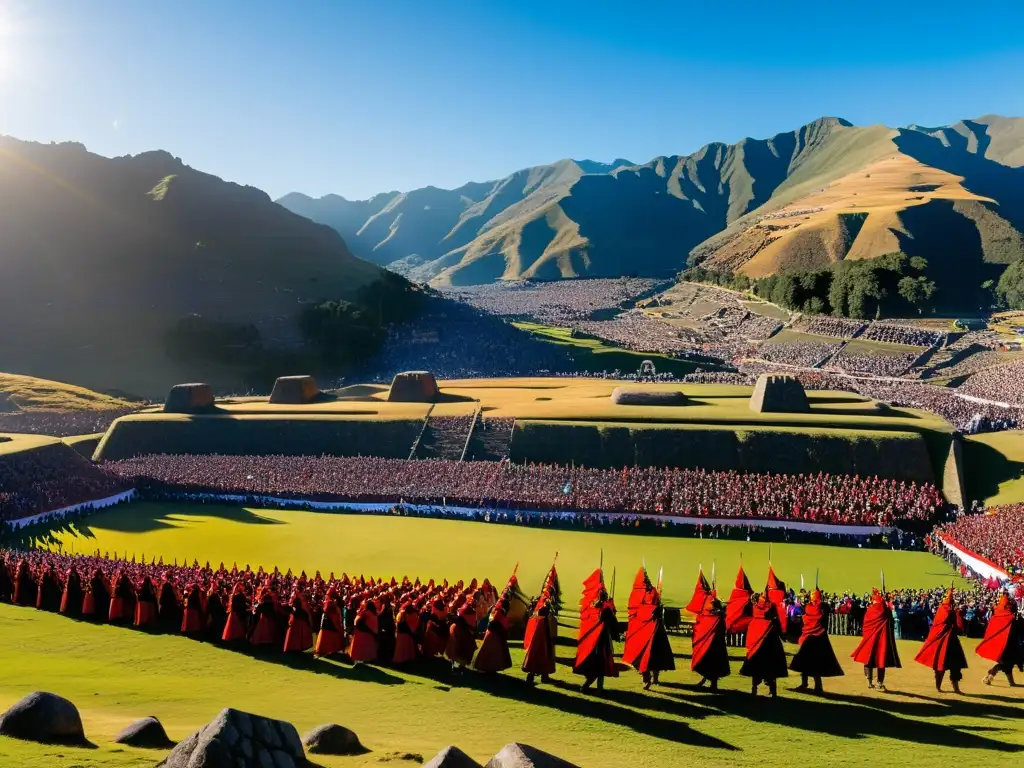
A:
(645, 396)
(147, 733)
(294, 390)
(413, 387)
(452, 757)
(43, 717)
(237, 739)
(775, 393)
(333, 740)
(190, 398)
(524, 756)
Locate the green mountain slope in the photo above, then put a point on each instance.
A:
(100, 257)
(805, 198)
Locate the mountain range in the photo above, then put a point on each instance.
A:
(101, 257)
(821, 193)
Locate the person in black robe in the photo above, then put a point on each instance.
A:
(98, 598)
(6, 584)
(169, 605)
(49, 593)
(216, 615)
(74, 594)
(25, 589)
(385, 632)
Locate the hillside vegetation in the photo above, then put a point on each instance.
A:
(103, 258)
(801, 200)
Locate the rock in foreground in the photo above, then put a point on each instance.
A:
(524, 756)
(237, 739)
(333, 740)
(452, 757)
(43, 717)
(147, 733)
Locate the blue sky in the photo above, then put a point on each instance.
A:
(357, 97)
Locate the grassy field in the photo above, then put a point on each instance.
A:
(994, 467)
(868, 347)
(29, 392)
(593, 354)
(117, 675)
(385, 546)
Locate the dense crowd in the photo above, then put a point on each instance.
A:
(60, 423)
(839, 327)
(997, 535)
(874, 365)
(821, 498)
(49, 478)
(907, 335)
(803, 355)
(1001, 384)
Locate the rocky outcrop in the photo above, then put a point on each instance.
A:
(147, 733)
(237, 739)
(43, 717)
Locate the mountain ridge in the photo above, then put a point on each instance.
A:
(558, 221)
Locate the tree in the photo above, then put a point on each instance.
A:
(1010, 289)
(917, 291)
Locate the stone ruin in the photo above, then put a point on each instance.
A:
(413, 387)
(190, 398)
(775, 393)
(236, 739)
(641, 396)
(294, 390)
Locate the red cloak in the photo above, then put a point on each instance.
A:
(267, 630)
(461, 641)
(776, 592)
(647, 646)
(1002, 635)
(330, 640)
(364, 636)
(435, 633)
(700, 594)
(193, 620)
(877, 647)
(539, 642)
(299, 637)
(237, 625)
(766, 658)
(941, 650)
(494, 655)
(815, 656)
(406, 626)
(739, 609)
(595, 655)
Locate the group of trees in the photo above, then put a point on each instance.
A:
(890, 285)
(336, 333)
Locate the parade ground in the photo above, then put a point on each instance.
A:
(117, 675)
(377, 546)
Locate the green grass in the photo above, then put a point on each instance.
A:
(118, 675)
(593, 354)
(867, 347)
(789, 336)
(385, 546)
(994, 467)
(766, 309)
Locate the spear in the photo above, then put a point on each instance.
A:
(816, 578)
(661, 572)
(613, 583)
(713, 574)
(801, 582)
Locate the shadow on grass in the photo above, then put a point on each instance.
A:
(154, 517)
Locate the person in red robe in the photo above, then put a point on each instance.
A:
(6, 584)
(193, 618)
(299, 637)
(700, 594)
(236, 628)
(330, 640)
(494, 655)
(1002, 641)
(710, 658)
(122, 601)
(146, 606)
(385, 630)
(815, 657)
(766, 658)
(739, 609)
(435, 630)
(776, 593)
(877, 648)
(595, 655)
(539, 642)
(74, 595)
(461, 640)
(364, 634)
(49, 594)
(96, 602)
(407, 625)
(266, 627)
(647, 647)
(941, 650)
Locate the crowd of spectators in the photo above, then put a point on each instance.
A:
(60, 423)
(49, 478)
(996, 535)
(907, 335)
(1000, 383)
(802, 355)
(838, 327)
(874, 365)
(819, 498)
